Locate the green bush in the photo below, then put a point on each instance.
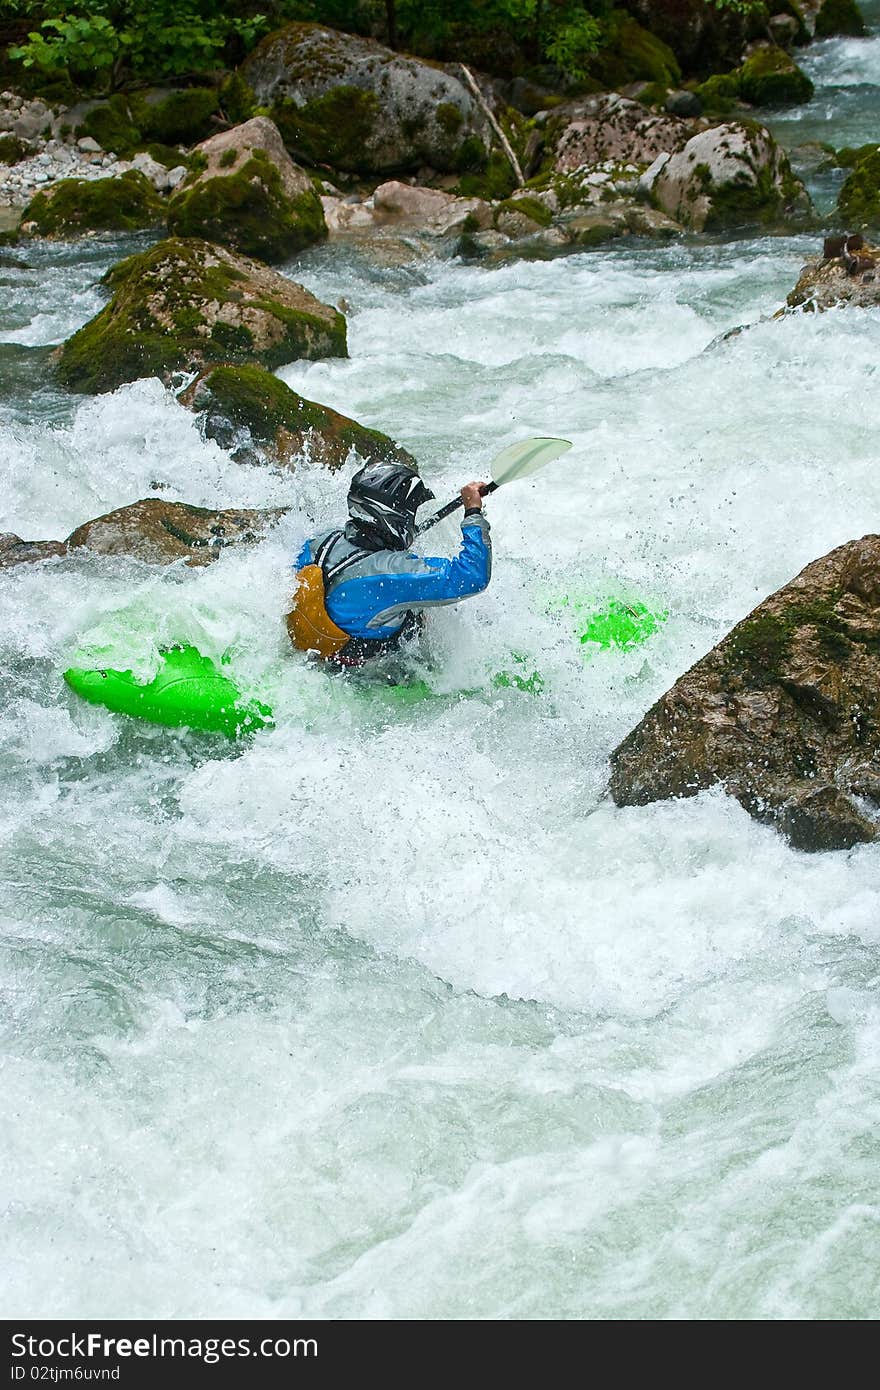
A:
(96, 42)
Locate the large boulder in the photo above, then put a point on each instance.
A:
(78, 207)
(847, 273)
(259, 418)
(153, 530)
(346, 101)
(859, 200)
(249, 195)
(784, 713)
(730, 175)
(611, 127)
(185, 304)
(159, 532)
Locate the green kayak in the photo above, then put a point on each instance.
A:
(187, 692)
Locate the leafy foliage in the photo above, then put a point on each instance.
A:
(144, 37)
(114, 39)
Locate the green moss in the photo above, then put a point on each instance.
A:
(237, 99)
(228, 158)
(759, 646)
(718, 93)
(252, 397)
(449, 118)
(300, 325)
(113, 126)
(331, 129)
(529, 207)
(13, 150)
(164, 318)
(840, 17)
(182, 118)
(632, 54)
(73, 206)
(654, 94)
(249, 211)
(770, 77)
(470, 157)
(497, 180)
(850, 155)
(859, 200)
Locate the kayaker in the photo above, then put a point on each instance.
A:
(361, 589)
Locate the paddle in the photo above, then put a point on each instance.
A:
(516, 461)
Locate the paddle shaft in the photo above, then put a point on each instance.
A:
(450, 508)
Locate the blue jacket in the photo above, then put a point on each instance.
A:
(373, 596)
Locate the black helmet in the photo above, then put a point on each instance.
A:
(384, 497)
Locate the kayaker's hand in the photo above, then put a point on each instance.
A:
(471, 496)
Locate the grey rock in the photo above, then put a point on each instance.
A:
(730, 175)
(784, 713)
(406, 113)
(683, 103)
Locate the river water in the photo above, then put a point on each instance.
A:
(390, 1013)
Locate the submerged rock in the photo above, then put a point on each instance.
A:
(347, 101)
(848, 273)
(15, 551)
(727, 176)
(185, 304)
(153, 530)
(784, 713)
(244, 407)
(250, 195)
(75, 207)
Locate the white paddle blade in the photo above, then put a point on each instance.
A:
(519, 460)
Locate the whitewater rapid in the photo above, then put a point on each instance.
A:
(390, 1012)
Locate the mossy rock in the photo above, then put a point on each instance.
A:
(113, 126)
(852, 155)
(126, 123)
(183, 118)
(74, 207)
(771, 77)
(346, 101)
(840, 17)
(632, 54)
(248, 210)
(719, 93)
(286, 424)
(185, 304)
(532, 208)
(859, 200)
(332, 129)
